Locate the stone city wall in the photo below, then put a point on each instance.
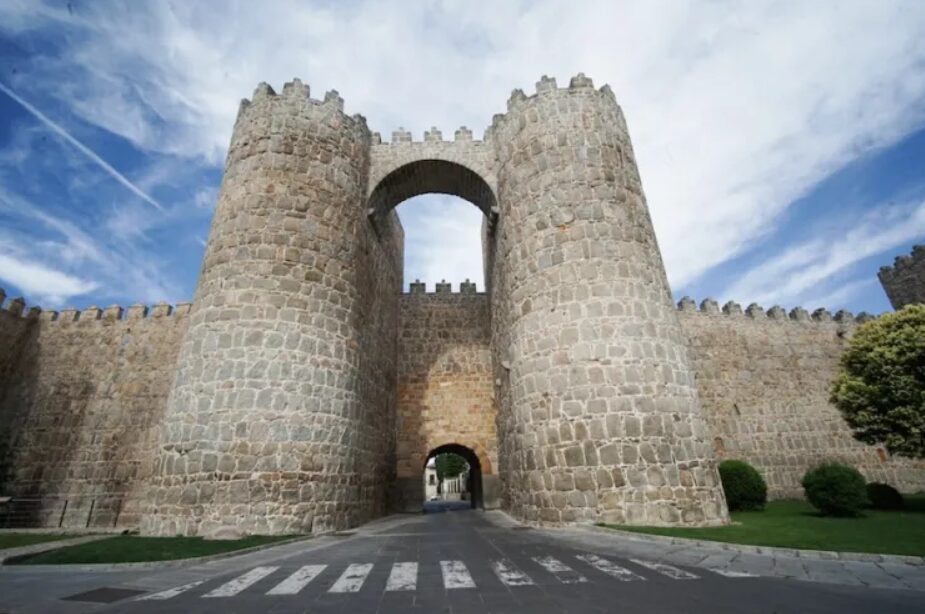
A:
(445, 389)
(81, 409)
(904, 282)
(763, 380)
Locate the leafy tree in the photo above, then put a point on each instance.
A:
(880, 386)
(450, 465)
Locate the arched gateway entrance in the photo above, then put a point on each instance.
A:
(445, 391)
(473, 477)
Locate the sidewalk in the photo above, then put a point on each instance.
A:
(882, 571)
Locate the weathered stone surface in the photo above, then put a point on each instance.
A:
(81, 400)
(445, 390)
(764, 385)
(582, 312)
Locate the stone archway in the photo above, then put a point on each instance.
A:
(445, 389)
(474, 485)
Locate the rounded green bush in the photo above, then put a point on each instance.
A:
(744, 487)
(835, 489)
(884, 497)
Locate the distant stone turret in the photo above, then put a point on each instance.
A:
(904, 282)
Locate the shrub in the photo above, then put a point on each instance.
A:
(744, 487)
(884, 497)
(835, 489)
(880, 385)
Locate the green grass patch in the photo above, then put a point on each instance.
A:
(135, 549)
(17, 540)
(796, 524)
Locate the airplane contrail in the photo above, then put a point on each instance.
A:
(134, 189)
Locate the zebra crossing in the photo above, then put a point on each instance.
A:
(455, 575)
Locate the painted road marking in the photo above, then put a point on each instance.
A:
(455, 575)
(241, 582)
(403, 577)
(562, 572)
(729, 573)
(297, 581)
(510, 575)
(351, 581)
(611, 569)
(170, 592)
(666, 570)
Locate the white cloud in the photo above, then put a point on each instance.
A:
(89, 153)
(443, 241)
(798, 274)
(736, 108)
(41, 283)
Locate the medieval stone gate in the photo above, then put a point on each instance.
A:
(307, 391)
(303, 391)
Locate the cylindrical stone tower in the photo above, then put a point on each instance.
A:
(598, 413)
(267, 428)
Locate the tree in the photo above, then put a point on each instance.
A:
(450, 465)
(880, 385)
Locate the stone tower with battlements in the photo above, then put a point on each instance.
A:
(286, 411)
(904, 282)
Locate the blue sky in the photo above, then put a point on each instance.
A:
(781, 144)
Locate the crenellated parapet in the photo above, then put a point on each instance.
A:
(442, 288)
(776, 313)
(405, 167)
(904, 282)
(100, 316)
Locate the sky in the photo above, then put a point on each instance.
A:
(781, 144)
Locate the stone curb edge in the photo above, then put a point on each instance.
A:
(825, 555)
(150, 564)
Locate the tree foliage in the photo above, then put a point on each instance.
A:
(450, 465)
(880, 386)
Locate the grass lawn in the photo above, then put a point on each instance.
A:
(795, 524)
(15, 540)
(134, 549)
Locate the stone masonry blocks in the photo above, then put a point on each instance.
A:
(598, 412)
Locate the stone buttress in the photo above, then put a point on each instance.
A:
(281, 415)
(598, 414)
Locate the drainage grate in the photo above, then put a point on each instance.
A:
(105, 595)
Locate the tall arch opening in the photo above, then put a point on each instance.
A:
(445, 389)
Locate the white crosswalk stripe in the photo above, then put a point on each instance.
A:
(456, 575)
(240, 583)
(610, 568)
(403, 577)
(170, 592)
(729, 573)
(666, 570)
(351, 581)
(297, 581)
(510, 575)
(562, 572)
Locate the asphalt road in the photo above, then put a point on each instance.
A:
(458, 561)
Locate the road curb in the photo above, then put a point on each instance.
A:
(147, 564)
(824, 555)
